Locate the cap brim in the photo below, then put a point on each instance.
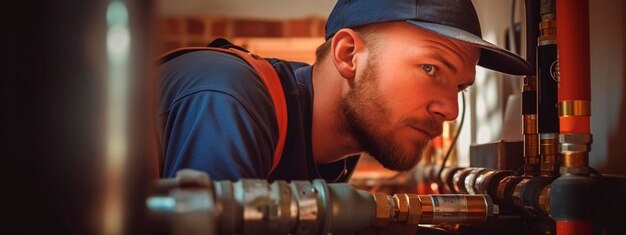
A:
(491, 56)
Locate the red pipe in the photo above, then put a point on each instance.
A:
(572, 20)
(580, 227)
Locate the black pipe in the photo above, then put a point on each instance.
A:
(547, 71)
(532, 32)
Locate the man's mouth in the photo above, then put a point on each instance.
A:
(431, 133)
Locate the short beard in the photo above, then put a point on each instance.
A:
(365, 111)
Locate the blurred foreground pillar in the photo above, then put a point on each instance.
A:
(75, 116)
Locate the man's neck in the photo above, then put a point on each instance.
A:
(330, 139)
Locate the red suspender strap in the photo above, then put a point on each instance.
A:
(272, 83)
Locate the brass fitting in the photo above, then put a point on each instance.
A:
(531, 148)
(402, 207)
(470, 180)
(575, 149)
(530, 124)
(549, 149)
(530, 83)
(574, 108)
(458, 180)
(575, 143)
(531, 156)
(412, 209)
(415, 209)
(575, 160)
(504, 193)
(383, 209)
(447, 177)
(547, 26)
(487, 183)
(529, 196)
(456, 209)
(544, 199)
(518, 191)
(548, 31)
(529, 127)
(483, 181)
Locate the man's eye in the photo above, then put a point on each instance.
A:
(429, 69)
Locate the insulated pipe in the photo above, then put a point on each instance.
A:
(574, 88)
(572, 195)
(573, 204)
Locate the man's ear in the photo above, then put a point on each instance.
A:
(345, 45)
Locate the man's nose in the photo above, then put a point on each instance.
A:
(445, 106)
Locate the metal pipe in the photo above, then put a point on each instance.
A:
(529, 92)
(470, 180)
(458, 180)
(504, 193)
(529, 114)
(527, 196)
(488, 183)
(301, 207)
(549, 151)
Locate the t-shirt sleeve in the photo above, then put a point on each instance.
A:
(226, 127)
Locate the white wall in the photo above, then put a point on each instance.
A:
(608, 103)
(490, 94)
(268, 9)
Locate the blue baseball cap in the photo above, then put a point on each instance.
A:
(456, 19)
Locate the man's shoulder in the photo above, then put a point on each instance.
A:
(209, 71)
(208, 68)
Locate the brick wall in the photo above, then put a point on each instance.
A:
(293, 39)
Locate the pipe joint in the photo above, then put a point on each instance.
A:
(575, 149)
(575, 170)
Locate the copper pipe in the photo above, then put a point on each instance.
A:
(549, 144)
(529, 114)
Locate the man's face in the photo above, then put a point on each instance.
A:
(405, 91)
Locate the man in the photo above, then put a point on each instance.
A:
(383, 82)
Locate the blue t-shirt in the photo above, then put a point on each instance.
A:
(216, 116)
